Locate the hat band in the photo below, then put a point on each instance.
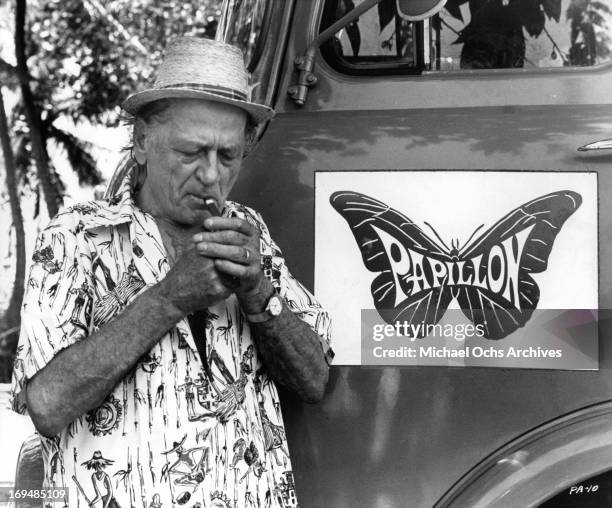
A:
(227, 93)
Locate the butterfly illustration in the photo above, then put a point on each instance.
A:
(490, 276)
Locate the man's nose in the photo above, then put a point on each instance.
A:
(208, 168)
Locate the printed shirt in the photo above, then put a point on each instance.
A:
(171, 433)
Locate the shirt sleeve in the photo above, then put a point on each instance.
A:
(57, 304)
(297, 297)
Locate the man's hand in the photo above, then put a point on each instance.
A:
(291, 350)
(193, 283)
(233, 243)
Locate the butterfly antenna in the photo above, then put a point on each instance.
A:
(437, 236)
(472, 235)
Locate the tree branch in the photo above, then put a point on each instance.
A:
(39, 149)
(131, 39)
(12, 314)
(8, 74)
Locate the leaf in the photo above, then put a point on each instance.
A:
(352, 30)
(386, 12)
(453, 7)
(533, 18)
(596, 19)
(79, 156)
(601, 7)
(552, 8)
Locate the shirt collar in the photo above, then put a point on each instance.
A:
(118, 208)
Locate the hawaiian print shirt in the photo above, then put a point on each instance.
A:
(172, 432)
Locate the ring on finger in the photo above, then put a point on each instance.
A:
(247, 254)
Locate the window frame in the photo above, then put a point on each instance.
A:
(345, 67)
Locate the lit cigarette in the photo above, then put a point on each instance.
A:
(211, 205)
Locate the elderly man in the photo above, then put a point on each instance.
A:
(154, 327)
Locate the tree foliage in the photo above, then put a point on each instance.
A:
(9, 321)
(589, 42)
(89, 56)
(35, 124)
(85, 57)
(494, 36)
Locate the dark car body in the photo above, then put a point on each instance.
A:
(397, 437)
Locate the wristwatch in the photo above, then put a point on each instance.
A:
(273, 308)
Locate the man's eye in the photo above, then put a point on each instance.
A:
(188, 154)
(227, 156)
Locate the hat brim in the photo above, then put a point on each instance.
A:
(134, 102)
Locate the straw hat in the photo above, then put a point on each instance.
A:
(196, 68)
(97, 460)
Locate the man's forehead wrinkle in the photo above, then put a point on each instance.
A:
(205, 137)
(199, 125)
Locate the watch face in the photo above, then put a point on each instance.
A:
(275, 306)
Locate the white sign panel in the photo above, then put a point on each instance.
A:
(466, 268)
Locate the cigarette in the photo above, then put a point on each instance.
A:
(211, 205)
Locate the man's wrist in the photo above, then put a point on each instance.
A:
(160, 301)
(255, 300)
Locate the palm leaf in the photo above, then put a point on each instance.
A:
(79, 156)
(552, 9)
(453, 7)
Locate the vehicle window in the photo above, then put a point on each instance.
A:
(472, 34)
(243, 24)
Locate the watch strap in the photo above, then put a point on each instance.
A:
(267, 314)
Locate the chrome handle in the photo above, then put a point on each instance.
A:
(604, 144)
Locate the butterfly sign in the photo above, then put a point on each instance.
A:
(418, 274)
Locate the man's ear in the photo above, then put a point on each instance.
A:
(140, 138)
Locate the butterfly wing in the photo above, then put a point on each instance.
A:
(534, 226)
(381, 232)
